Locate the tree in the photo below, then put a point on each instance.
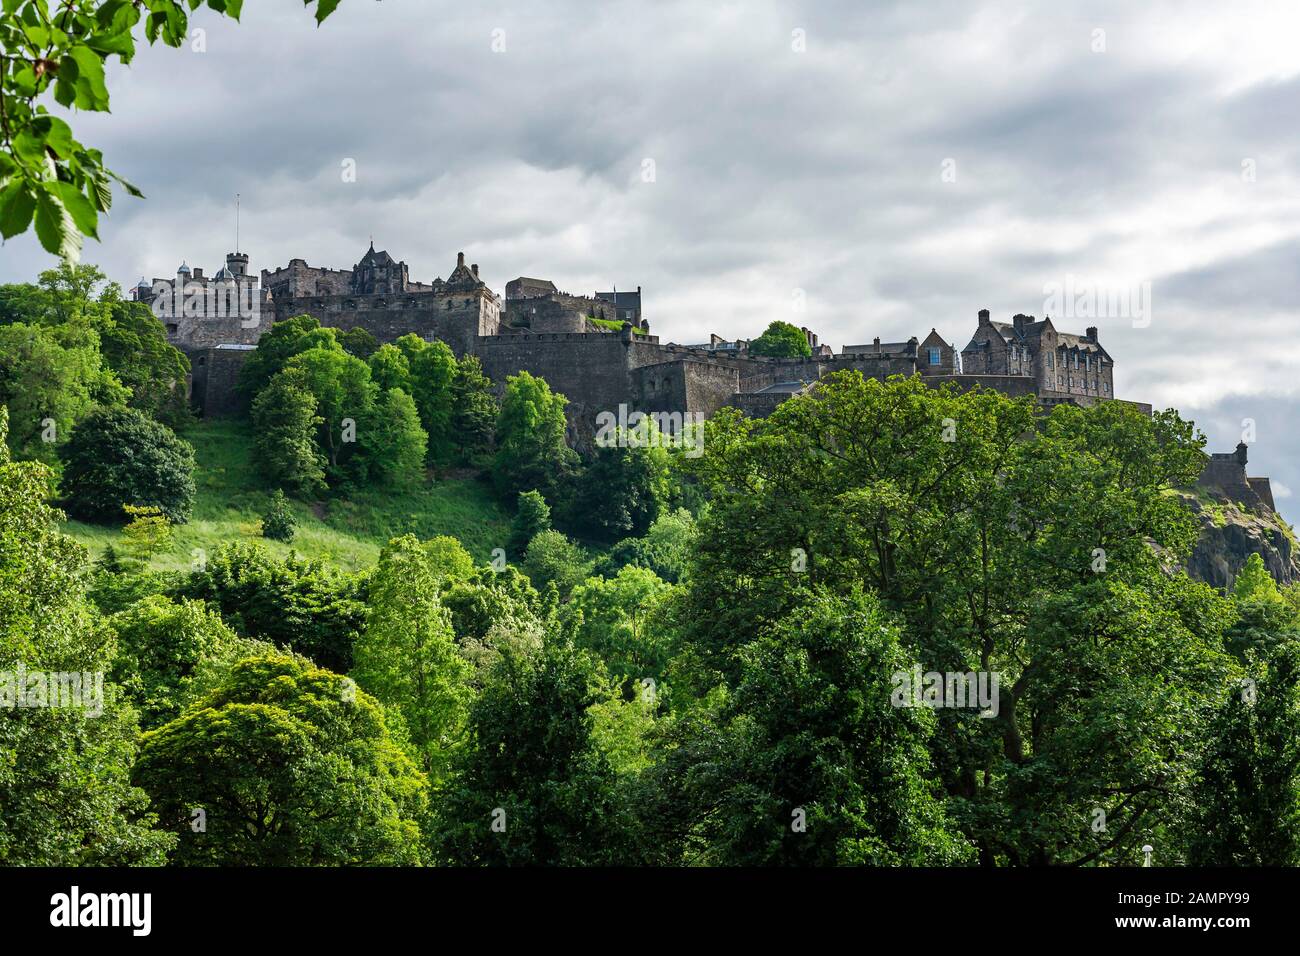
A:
(624, 487)
(281, 342)
(51, 378)
(1264, 616)
(120, 456)
(1034, 547)
(65, 792)
(532, 516)
(533, 787)
(554, 559)
(284, 429)
(148, 532)
(278, 522)
(289, 765)
(162, 644)
(407, 655)
(665, 549)
(432, 370)
(781, 340)
(531, 451)
(359, 342)
(392, 442)
(474, 410)
(294, 603)
(344, 394)
(389, 369)
(134, 345)
(613, 618)
(47, 176)
(1246, 799)
(809, 763)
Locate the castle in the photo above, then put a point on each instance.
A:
(595, 349)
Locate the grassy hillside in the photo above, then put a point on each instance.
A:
(348, 533)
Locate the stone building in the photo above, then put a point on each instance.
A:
(598, 350)
(1058, 362)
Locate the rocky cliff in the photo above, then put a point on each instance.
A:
(1231, 531)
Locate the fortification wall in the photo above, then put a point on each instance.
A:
(214, 373)
(456, 318)
(591, 369)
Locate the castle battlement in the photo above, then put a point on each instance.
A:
(597, 349)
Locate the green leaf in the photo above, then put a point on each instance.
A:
(55, 229)
(79, 208)
(125, 185)
(57, 134)
(101, 193)
(92, 94)
(323, 9)
(16, 205)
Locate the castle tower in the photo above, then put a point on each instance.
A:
(237, 263)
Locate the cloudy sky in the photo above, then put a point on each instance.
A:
(885, 167)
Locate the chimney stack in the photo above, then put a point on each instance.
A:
(1091, 334)
(474, 269)
(876, 343)
(460, 259)
(984, 317)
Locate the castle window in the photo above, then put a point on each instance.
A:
(934, 356)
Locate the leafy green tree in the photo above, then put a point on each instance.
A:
(392, 441)
(278, 522)
(281, 342)
(46, 176)
(490, 599)
(996, 536)
(531, 450)
(534, 786)
(1264, 616)
(51, 378)
(344, 393)
(532, 516)
(407, 655)
(294, 603)
(1246, 800)
(148, 532)
(389, 369)
(290, 765)
(433, 370)
(615, 619)
(623, 488)
(65, 792)
(665, 549)
(474, 410)
(134, 345)
(810, 763)
(120, 456)
(552, 558)
(359, 342)
(285, 425)
(161, 644)
(448, 560)
(781, 340)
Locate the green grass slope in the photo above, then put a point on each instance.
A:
(346, 532)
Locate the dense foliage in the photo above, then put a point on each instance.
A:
(664, 660)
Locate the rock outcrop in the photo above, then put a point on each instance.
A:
(1231, 533)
